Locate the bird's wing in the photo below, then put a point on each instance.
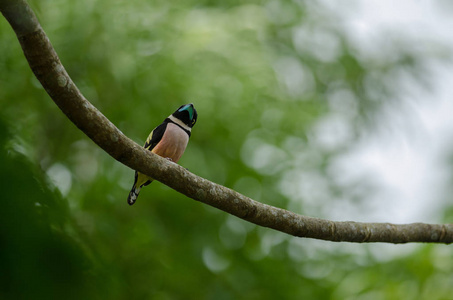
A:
(155, 136)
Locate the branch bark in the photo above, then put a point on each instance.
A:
(46, 65)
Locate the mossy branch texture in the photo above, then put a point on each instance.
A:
(46, 65)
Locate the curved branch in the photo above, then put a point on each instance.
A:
(47, 67)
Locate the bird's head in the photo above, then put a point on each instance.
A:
(186, 114)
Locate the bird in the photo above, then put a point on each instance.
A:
(168, 140)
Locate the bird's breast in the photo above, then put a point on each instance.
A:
(173, 143)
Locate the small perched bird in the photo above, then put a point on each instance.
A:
(168, 140)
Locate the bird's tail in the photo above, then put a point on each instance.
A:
(140, 181)
(133, 194)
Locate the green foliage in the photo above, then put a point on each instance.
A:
(259, 82)
(40, 255)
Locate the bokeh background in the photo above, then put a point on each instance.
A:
(333, 110)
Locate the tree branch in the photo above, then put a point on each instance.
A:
(46, 65)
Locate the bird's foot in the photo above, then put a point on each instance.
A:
(168, 158)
